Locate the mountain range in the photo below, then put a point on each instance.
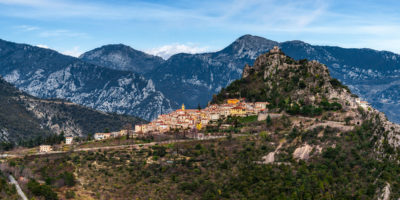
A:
(193, 78)
(45, 73)
(102, 78)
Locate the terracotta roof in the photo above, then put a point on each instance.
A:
(238, 107)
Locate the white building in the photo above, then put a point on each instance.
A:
(68, 140)
(363, 104)
(45, 148)
(102, 136)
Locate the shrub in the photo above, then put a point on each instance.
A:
(70, 194)
(69, 179)
(42, 190)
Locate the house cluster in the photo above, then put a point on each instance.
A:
(198, 118)
(47, 148)
(102, 136)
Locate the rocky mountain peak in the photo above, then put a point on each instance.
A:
(122, 57)
(249, 46)
(279, 79)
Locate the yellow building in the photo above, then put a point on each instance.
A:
(198, 126)
(233, 101)
(238, 111)
(45, 148)
(183, 107)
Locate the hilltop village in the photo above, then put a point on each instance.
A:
(198, 118)
(183, 119)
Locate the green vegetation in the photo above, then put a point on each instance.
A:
(42, 190)
(7, 191)
(337, 84)
(49, 139)
(310, 110)
(229, 168)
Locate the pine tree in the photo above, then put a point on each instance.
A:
(269, 121)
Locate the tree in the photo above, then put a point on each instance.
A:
(348, 119)
(199, 107)
(128, 128)
(269, 121)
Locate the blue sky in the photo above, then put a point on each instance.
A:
(165, 27)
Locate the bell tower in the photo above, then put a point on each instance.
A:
(183, 107)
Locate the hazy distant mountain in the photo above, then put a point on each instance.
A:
(23, 117)
(122, 57)
(47, 74)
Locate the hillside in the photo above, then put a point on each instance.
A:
(23, 117)
(316, 141)
(45, 73)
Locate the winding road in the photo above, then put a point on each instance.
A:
(20, 192)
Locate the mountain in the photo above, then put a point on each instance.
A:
(193, 78)
(368, 73)
(373, 75)
(45, 73)
(122, 57)
(299, 87)
(23, 117)
(199, 76)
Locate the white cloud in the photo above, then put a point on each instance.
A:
(75, 52)
(43, 46)
(61, 33)
(27, 28)
(167, 51)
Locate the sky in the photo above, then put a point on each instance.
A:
(166, 27)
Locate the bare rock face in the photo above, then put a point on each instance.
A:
(270, 158)
(246, 71)
(385, 193)
(303, 153)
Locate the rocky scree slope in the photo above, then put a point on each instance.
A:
(23, 117)
(45, 73)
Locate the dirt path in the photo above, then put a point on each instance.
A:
(340, 125)
(122, 146)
